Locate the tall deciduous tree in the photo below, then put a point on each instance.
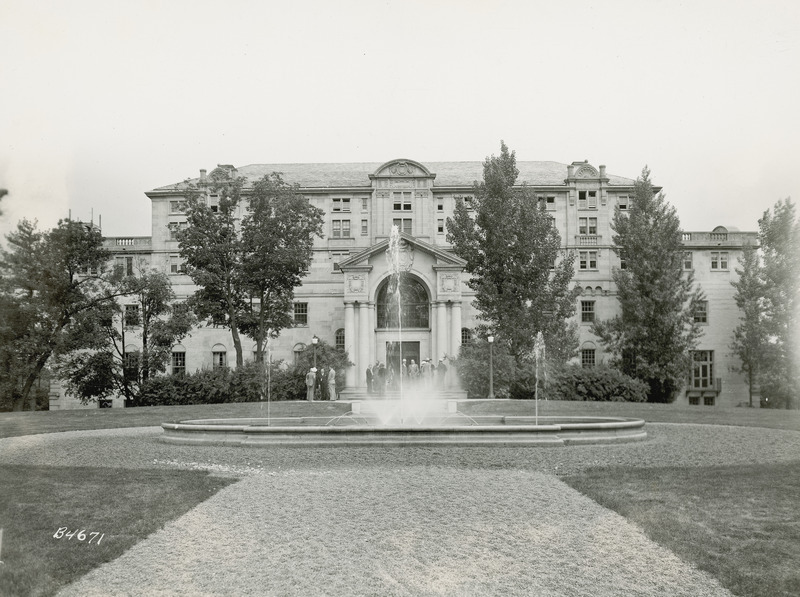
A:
(519, 273)
(779, 236)
(248, 265)
(653, 336)
(749, 337)
(101, 364)
(49, 280)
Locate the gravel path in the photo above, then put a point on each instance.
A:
(400, 521)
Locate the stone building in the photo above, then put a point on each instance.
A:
(343, 299)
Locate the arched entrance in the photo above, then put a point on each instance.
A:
(403, 321)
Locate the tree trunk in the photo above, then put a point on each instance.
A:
(24, 396)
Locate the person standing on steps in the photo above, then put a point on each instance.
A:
(311, 381)
(369, 378)
(332, 384)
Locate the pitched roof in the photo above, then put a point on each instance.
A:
(357, 174)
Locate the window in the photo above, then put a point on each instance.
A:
(719, 260)
(178, 363)
(694, 400)
(338, 257)
(702, 369)
(341, 229)
(177, 207)
(364, 204)
(466, 335)
(588, 260)
(219, 357)
(414, 301)
(131, 315)
(130, 365)
(587, 311)
(364, 228)
(701, 312)
(687, 260)
(440, 205)
(622, 263)
(708, 400)
(467, 199)
(587, 225)
(401, 201)
(547, 202)
(301, 313)
(440, 226)
(587, 358)
(298, 351)
(126, 263)
(403, 225)
(587, 199)
(176, 265)
(340, 338)
(622, 202)
(341, 204)
(213, 203)
(175, 227)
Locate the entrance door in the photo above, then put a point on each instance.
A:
(397, 351)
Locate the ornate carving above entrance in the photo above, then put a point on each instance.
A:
(449, 282)
(356, 283)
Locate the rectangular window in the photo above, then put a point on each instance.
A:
(176, 265)
(440, 205)
(341, 229)
(177, 207)
(719, 260)
(587, 226)
(130, 366)
(587, 311)
(341, 204)
(403, 225)
(301, 313)
(213, 203)
(131, 315)
(547, 202)
(708, 400)
(694, 400)
(701, 312)
(364, 228)
(401, 201)
(126, 263)
(219, 359)
(440, 226)
(178, 363)
(587, 358)
(174, 227)
(702, 369)
(587, 199)
(622, 202)
(588, 260)
(467, 199)
(687, 260)
(364, 204)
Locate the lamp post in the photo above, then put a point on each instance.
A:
(490, 339)
(314, 341)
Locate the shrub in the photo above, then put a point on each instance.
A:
(601, 384)
(473, 369)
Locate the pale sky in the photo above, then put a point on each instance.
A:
(101, 101)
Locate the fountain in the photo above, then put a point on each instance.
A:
(416, 417)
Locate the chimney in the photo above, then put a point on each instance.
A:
(570, 171)
(202, 175)
(602, 171)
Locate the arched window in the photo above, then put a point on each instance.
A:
(466, 335)
(414, 311)
(219, 356)
(340, 338)
(298, 350)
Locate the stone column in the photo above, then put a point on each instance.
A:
(373, 352)
(363, 344)
(455, 328)
(441, 330)
(350, 342)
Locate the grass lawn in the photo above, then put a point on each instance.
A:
(124, 506)
(740, 524)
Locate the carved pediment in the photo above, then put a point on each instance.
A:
(402, 168)
(587, 171)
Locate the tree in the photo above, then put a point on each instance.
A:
(779, 237)
(49, 281)
(277, 240)
(652, 338)
(749, 337)
(512, 250)
(248, 269)
(101, 364)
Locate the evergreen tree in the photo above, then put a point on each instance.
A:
(779, 236)
(519, 273)
(749, 337)
(652, 338)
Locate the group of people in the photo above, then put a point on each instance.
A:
(425, 375)
(321, 384)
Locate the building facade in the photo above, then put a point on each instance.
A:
(343, 299)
